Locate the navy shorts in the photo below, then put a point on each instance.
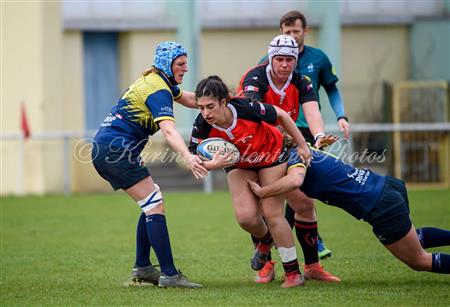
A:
(390, 216)
(121, 167)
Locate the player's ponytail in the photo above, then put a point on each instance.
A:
(212, 86)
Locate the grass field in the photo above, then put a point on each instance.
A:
(79, 250)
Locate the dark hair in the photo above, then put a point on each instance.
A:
(290, 17)
(212, 86)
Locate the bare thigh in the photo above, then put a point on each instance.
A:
(410, 252)
(245, 203)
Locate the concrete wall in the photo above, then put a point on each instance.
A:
(371, 55)
(31, 66)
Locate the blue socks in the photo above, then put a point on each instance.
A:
(142, 244)
(433, 237)
(159, 239)
(440, 263)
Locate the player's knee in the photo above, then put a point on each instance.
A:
(152, 204)
(305, 212)
(302, 205)
(247, 221)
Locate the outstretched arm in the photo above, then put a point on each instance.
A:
(313, 118)
(292, 180)
(188, 100)
(177, 143)
(335, 98)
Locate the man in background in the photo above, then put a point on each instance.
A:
(314, 64)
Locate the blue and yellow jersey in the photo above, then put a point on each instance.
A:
(136, 115)
(315, 65)
(339, 184)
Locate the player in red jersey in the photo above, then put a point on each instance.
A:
(251, 127)
(277, 83)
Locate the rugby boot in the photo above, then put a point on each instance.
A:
(317, 272)
(266, 274)
(293, 279)
(177, 281)
(148, 274)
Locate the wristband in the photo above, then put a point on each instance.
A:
(342, 117)
(318, 136)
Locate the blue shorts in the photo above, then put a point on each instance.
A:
(390, 216)
(121, 167)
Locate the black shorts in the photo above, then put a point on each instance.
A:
(390, 216)
(307, 135)
(121, 167)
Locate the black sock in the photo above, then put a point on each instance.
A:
(267, 239)
(307, 236)
(289, 215)
(440, 263)
(433, 237)
(142, 243)
(254, 240)
(291, 267)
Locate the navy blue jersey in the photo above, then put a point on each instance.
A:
(338, 184)
(146, 102)
(316, 66)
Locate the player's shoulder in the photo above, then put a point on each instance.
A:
(153, 82)
(243, 105)
(264, 60)
(240, 102)
(258, 71)
(298, 79)
(315, 52)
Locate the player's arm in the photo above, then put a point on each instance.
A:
(292, 180)
(219, 160)
(177, 143)
(314, 119)
(335, 98)
(187, 99)
(251, 86)
(310, 107)
(200, 132)
(161, 106)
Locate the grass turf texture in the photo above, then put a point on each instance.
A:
(79, 251)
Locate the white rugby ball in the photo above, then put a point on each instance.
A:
(208, 147)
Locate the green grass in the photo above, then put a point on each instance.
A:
(79, 250)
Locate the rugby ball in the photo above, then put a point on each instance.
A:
(208, 147)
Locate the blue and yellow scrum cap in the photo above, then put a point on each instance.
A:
(165, 54)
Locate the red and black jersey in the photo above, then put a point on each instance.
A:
(255, 85)
(253, 132)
